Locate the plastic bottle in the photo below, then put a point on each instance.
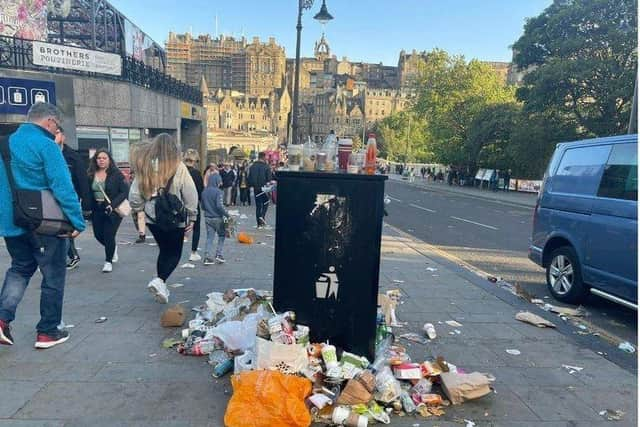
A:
(371, 155)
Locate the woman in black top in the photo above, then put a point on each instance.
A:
(108, 189)
(243, 183)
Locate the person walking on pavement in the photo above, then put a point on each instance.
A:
(191, 160)
(214, 217)
(243, 183)
(164, 190)
(228, 178)
(108, 190)
(235, 186)
(79, 180)
(259, 176)
(37, 164)
(138, 217)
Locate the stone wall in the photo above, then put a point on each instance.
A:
(121, 104)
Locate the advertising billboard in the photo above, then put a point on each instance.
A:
(26, 19)
(75, 58)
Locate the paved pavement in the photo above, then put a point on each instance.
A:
(116, 373)
(493, 235)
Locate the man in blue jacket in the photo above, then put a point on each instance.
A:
(37, 164)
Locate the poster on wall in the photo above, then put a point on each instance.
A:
(136, 42)
(26, 19)
(120, 145)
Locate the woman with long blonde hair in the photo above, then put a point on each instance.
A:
(164, 191)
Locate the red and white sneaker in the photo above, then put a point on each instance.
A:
(50, 339)
(5, 333)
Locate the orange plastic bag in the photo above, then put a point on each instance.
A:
(268, 399)
(244, 238)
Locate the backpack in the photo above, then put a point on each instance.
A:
(170, 211)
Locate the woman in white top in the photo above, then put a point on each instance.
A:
(158, 168)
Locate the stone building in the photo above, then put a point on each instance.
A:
(264, 67)
(409, 67)
(254, 68)
(191, 58)
(381, 103)
(232, 111)
(336, 109)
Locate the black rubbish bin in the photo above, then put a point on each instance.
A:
(327, 255)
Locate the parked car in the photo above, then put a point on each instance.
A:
(585, 225)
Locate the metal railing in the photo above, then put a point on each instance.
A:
(17, 54)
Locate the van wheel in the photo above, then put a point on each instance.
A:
(564, 278)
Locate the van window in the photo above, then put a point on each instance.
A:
(580, 169)
(620, 177)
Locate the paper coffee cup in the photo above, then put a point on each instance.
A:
(340, 415)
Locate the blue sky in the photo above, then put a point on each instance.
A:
(363, 30)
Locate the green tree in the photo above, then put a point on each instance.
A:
(582, 55)
(402, 137)
(489, 136)
(532, 141)
(450, 94)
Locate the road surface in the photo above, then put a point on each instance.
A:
(492, 236)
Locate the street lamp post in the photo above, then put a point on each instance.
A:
(323, 16)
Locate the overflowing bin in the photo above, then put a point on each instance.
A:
(327, 255)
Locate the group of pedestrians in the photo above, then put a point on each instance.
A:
(168, 196)
(235, 182)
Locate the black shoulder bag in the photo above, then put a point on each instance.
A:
(35, 210)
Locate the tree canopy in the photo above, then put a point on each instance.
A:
(582, 58)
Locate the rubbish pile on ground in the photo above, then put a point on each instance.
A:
(288, 380)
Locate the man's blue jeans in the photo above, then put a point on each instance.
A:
(26, 257)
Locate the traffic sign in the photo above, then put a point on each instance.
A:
(18, 95)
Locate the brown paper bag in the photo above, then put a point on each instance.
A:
(173, 316)
(462, 387)
(358, 390)
(534, 319)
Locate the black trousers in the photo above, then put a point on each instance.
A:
(170, 245)
(72, 252)
(244, 196)
(234, 195)
(262, 204)
(105, 227)
(195, 238)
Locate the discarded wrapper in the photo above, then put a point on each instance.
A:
(534, 319)
(407, 371)
(430, 330)
(565, 311)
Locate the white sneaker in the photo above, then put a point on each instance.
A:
(107, 267)
(159, 290)
(115, 255)
(195, 256)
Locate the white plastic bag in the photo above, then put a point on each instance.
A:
(238, 335)
(387, 386)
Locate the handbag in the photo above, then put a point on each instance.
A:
(123, 209)
(36, 210)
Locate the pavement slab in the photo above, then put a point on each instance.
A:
(117, 374)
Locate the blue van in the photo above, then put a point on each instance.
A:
(585, 225)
